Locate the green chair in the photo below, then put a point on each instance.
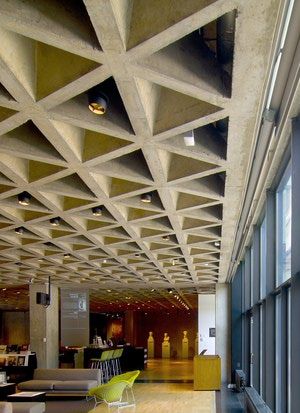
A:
(129, 378)
(109, 393)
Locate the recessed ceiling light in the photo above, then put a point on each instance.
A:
(166, 237)
(217, 244)
(146, 198)
(55, 221)
(153, 289)
(97, 101)
(66, 255)
(97, 211)
(170, 291)
(104, 261)
(24, 198)
(109, 291)
(206, 264)
(19, 230)
(189, 138)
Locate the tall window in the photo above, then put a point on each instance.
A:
(283, 227)
(263, 259)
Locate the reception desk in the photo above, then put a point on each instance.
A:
(207, 372)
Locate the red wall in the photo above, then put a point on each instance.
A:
(173, 323)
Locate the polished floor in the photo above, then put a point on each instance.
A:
(169, 398)
(167, 370)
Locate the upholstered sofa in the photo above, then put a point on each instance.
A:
(56, 381)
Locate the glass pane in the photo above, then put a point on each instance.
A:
(283, 223)
(278, 354)
(251, 275)
(251, 351)
(263, 259)
(261, 350)
(289, 351)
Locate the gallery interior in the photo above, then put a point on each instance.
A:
(149, 189)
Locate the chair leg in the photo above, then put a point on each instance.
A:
(133, 398)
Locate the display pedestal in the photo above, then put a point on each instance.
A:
(150, 345)
(165, 349)
(207, 373)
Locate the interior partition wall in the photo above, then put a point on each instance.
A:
(266, 293)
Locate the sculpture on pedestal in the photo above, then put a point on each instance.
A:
(166, 347)
(150, 345)
(185, 346)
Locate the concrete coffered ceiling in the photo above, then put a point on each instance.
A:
(160, 64)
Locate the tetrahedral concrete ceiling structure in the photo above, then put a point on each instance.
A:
(169, 69)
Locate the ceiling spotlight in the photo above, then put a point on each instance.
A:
(217, 244)
(189, 138)
(55, 221)
(104, 261)
(206, 264)
(170, 291)
(24, 198)
(153, 289)
(97, 211)
(19, 230)
(166, 237)
(146, 198)
(66, 255)
(97, 101)
(174, 262)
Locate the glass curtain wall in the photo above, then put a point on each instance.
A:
(266, 273)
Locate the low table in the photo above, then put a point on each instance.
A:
(27, 396)
(6, 389)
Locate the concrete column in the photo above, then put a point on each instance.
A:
(206, 321)
(130, 327)
(75, 317)
(44, 339)
(223, 330)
